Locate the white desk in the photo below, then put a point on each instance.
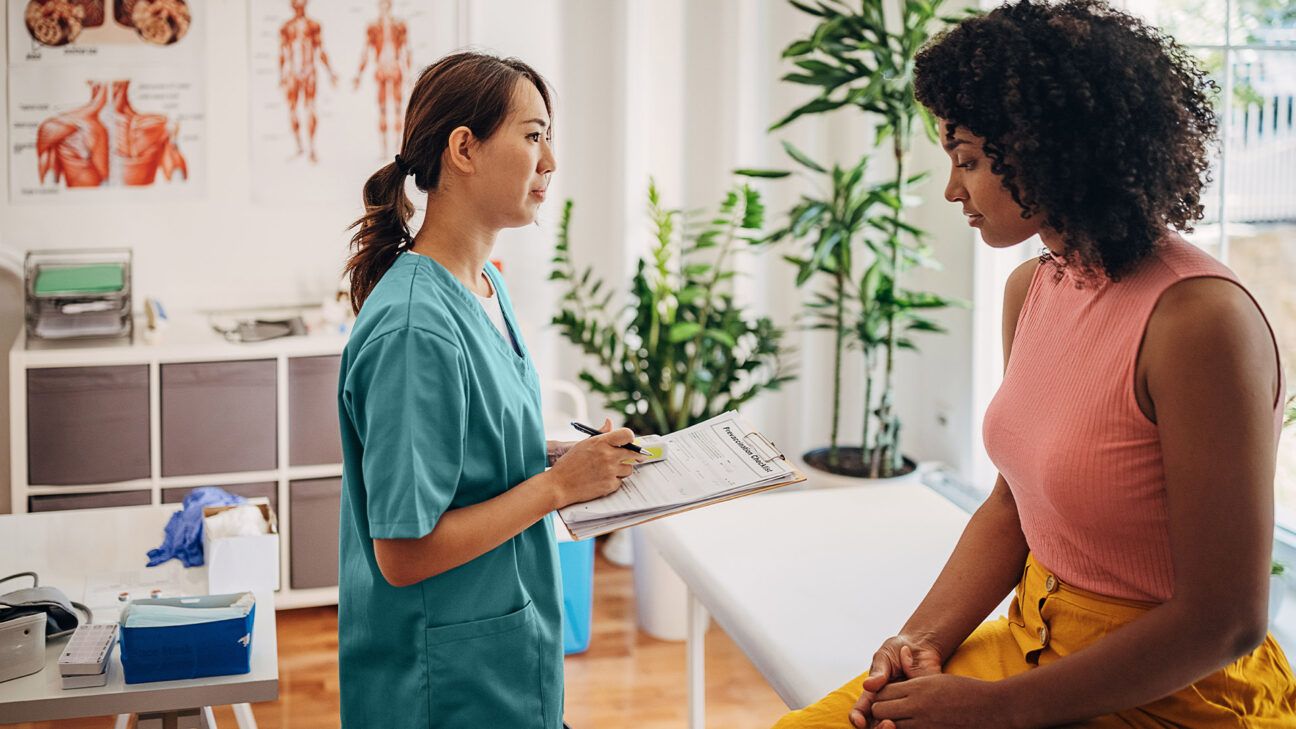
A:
(63, 547)
(807, 583)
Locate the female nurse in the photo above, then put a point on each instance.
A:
(449, 608)
(1136, 426)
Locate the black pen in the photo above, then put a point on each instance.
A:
(591, 431)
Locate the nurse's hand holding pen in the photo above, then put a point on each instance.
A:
(590, 468)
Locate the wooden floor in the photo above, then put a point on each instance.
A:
(625, 679)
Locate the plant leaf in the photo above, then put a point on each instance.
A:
(768, 174)
(683, 331)
(802, 157)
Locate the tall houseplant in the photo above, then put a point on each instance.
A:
(681, 350)
(854, 60)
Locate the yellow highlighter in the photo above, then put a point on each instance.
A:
(653, 446)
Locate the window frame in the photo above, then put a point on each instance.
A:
(990, 273)
(1284, 528)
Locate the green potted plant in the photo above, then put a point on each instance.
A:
(681, 350)
(855, 60)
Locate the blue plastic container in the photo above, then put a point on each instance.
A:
(576, 560)
(218, 648)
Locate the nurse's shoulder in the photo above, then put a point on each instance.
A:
(405, 297)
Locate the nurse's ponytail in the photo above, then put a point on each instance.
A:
(466, 89)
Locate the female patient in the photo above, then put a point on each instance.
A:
(1136, 426)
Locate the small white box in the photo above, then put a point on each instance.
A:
(91, 681)
(87, 651)
(22, 646)
(238, 564)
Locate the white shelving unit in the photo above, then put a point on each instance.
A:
(188, 340)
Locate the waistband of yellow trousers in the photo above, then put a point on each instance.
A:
(1039, 581)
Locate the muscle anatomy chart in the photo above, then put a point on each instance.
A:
(103, 96)
(114, 31)
(312, 138)
(72, 146)
(122, 139)
(387, 43)
(301, 51)
(143, 143)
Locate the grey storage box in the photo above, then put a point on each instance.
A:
(315, 505)
(103, 500)
(313, 436)
(218, 417)
(87, 425)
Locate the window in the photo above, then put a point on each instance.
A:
(1250, 212)
(1249, 46)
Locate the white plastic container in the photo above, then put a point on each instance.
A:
(22, 646)
(239, 564)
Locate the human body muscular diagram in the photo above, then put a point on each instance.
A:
(143, 142)
(75, 145)
(300, 48)
(387, 41)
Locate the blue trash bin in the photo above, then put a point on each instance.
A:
(576, 561)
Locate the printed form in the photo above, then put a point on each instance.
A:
(711, 461)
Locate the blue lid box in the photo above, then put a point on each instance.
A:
(174, 652)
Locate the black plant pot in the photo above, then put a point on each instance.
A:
(850, 462)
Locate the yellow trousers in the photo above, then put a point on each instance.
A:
(1048, 620)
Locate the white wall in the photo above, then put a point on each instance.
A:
(681, 90)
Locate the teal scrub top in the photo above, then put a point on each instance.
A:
(439, 412)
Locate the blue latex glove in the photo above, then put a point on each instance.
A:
(184, 532)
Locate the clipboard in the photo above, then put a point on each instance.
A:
(757, 448)
(798, 478)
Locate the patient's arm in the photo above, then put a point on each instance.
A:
(988, 560)
(985, 565)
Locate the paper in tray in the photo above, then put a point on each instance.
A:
(188, 651)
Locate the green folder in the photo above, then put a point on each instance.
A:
(103, 278)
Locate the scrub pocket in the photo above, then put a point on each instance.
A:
(486, 673)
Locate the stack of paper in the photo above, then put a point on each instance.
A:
(719, 459)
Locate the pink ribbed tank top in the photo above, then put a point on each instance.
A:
(1066, 432)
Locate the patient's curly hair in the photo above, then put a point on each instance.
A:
(1093, 118)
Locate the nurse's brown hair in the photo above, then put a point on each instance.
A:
(465, 89)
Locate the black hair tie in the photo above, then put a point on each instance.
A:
(403, 166)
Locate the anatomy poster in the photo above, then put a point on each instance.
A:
(329, 82)
(104, 134)
(126, 32)
(106, 100)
